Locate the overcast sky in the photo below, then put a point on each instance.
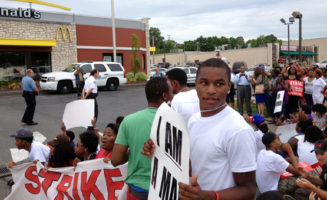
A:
(188, 19)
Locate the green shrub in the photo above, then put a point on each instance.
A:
(130, 75)
(132, 80)
(141, 76)
(5, 83)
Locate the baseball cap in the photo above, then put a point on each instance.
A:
(256, 118)
(22, 133)
(59, 139)
(320, 146)
(269, 137)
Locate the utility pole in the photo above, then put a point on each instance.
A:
(153, 51)
(113, 30)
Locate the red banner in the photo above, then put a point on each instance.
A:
(296, 88)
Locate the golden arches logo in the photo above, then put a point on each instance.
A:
(44, 3)
(63, 33)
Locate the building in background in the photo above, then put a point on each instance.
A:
(48, 41)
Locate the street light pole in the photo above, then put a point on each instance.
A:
(291, 20)
(113, 30)
(299, 15)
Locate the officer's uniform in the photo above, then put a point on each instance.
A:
(28, 85)
(90, 83)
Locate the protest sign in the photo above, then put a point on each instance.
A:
(170, 162)
(92, 179)
(279, 101)
(296, 88)
(286, 131)
(79, 113)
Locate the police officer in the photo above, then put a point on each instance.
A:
(90, 90)
(29, 93)
(79, 80)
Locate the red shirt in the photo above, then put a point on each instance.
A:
(103, 153)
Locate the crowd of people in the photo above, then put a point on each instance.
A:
(230, 156)
(266, 85)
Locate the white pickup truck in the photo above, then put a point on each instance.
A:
(111, 75)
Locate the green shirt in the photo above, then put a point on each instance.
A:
(133, 132)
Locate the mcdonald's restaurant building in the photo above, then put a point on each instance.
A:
(48, 41)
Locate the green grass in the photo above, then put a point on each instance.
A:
(253, 108)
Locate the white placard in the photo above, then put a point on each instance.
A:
(79, 113)
(279, 101)
(286, 131)
(170, 162)
(39, 137)
(18, 155)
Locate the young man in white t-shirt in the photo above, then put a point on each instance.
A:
(185, 101)
(36, 150)
(271, 165)
(222, 144)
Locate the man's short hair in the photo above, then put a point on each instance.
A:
(214, 62)
(268, 138)
(155, 88)
(28, 139)
(178, 75)
(94, 72)
(29, 71)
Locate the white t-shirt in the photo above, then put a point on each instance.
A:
(220, 145)
(304, 151)
(318, 86)
(90, 83)
(270, 165)
(39, 152)
(308, 86)
(186, 104)
(258, 139)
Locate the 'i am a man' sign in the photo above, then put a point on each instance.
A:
(170, 162)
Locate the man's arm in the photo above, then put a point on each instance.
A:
(303, 183)
(88, 93)
(245, 189)
(119, 155)
(313, 179)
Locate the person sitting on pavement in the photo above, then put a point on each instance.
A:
(262, 128)
(185, 101)
(62, 152)
(271, 165)
(303, 145)
(36, 151)
(300, 128)
(316, 184)
(318, 115)
(108, 141)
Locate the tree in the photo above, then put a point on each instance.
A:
(190, 45)
(158, 39)
(135, 62)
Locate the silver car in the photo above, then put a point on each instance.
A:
(190, 73)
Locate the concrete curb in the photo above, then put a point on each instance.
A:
(8, 92)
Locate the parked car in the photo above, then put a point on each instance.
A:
(190, 73)
(237, 65)
(267, 69)
(111, 75)
(163, 65)
(322, 64)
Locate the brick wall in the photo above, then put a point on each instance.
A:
(62, 55)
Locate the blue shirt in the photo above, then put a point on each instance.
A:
(28, 84)
(242, 80)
